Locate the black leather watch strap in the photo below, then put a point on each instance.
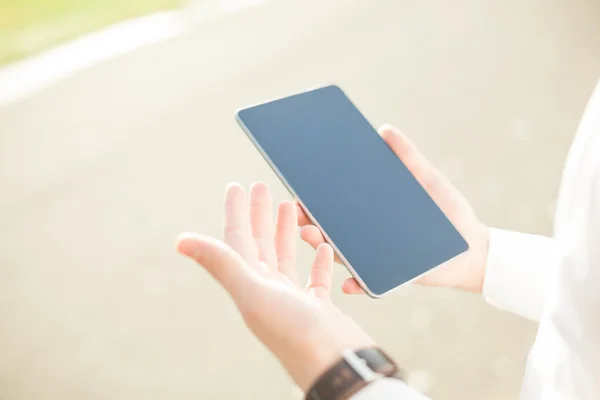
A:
(353, 372)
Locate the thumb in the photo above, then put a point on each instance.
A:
(426, 174)
(220, 260)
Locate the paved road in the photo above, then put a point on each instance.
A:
(98, 174)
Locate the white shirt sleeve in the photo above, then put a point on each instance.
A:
(564, 362)
(388, 389)
(517, 271)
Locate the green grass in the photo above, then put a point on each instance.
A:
(29, 26)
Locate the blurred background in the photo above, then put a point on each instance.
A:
(117, 132)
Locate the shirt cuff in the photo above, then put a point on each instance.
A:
(389, 389)
(518, 265)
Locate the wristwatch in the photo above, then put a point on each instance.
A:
(354, 371)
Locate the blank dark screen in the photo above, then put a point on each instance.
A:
(373, 210)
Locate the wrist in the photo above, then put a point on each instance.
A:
(479, 260)
(310, 364)
(485, 245)
(352, 372)
(322, 348)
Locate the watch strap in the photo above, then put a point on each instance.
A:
(351, 373)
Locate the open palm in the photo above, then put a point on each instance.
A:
(256, 264)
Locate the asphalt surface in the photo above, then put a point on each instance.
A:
(98, 173)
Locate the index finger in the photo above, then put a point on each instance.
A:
(302, 217)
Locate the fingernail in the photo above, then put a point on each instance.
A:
(389, 128)
(300, 230)
(187, 244)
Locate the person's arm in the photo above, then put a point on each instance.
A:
(517, 270)
(297, 322)
(565, 359)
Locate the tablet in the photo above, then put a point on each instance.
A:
(377, 217)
